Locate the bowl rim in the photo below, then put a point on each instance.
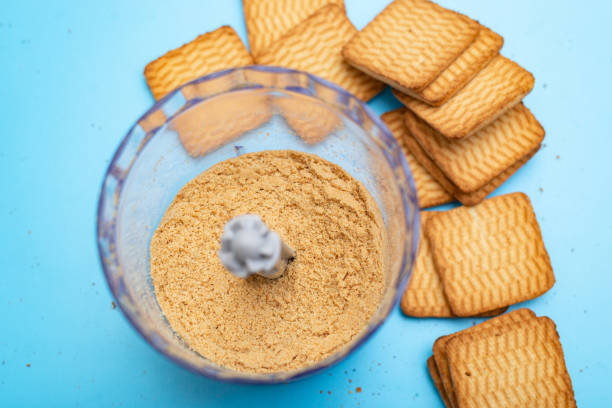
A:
(407, 258)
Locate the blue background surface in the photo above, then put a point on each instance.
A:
(72, 85)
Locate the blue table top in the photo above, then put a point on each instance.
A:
(72, 85)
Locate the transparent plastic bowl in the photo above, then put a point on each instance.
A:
(216, 118)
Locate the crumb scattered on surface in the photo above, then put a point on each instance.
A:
(327, 294)
(28, 365)
(557, 157)
(358, 390)
(541, 190)
(113, 305)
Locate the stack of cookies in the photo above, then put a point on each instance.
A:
(475, 261)
(464, 123)
(514, 360)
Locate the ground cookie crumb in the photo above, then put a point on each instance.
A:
(328, 293)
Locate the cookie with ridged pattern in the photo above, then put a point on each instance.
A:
(410, 43)
(268, 20)
(513, 366)
(424, 295)
(469, 199)
(429, 192)
(439, 347)
(472, 162)
(471, 61)
(496, 89)
(490, 255)
(315, 46)
(214, 51)
(435, 376)
(311, 120)
(217, 121)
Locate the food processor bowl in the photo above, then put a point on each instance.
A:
(216, 118)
